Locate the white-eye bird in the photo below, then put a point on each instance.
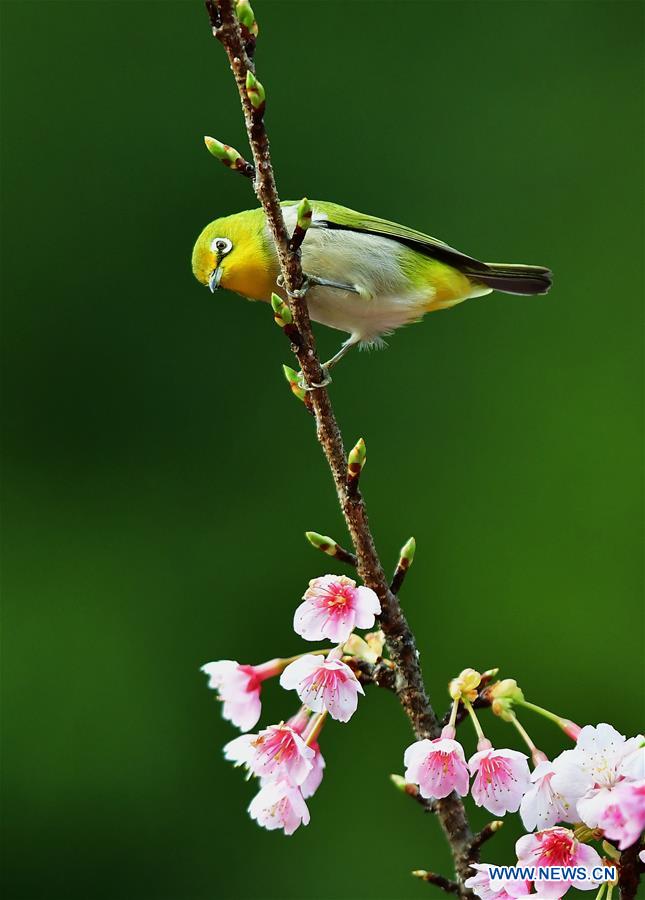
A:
(367, 276)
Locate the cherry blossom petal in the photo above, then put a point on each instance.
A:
(279, 805)
(438, 767)
(501, 779)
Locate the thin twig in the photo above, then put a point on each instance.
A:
(450, 887)
(400, 641)
(485, 835)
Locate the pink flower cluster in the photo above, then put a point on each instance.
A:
(438, 767)
(552, 847)
(601, 782)
(286, 758)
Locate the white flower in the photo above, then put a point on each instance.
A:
(601, 759)
(541, 806)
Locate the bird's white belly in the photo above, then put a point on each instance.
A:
(386, 298)
(364, 318)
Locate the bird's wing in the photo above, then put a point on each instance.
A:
(335, 217)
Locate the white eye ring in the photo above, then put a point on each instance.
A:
(221, 246)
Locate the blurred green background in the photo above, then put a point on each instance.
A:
(159, 476)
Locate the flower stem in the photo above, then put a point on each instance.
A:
(290, 659)
(569, 728)
(315, 728)
(471, 712)
(523, 733)
(453, 713)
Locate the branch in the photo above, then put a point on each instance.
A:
(629, 872)
(450, 887)
(485, 835)
(400, 641)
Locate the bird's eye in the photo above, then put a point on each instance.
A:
(222, 246)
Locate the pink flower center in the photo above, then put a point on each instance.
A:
(557, 846)
(338, 596)
(278, 744)
(441, 760)
(324, 680)
(495, 770)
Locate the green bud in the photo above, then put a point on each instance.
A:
(507, 689)
(611, 851)
(322, 542)
(246, 16)
(228, 155)
(305, 212)
(292, 377)
(398, 781)
(489, 674)
(282, 313)
(254, 91)
(503, 707)
(357, 457)
(407, 554)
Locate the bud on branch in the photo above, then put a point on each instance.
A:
(355, 462)
(406, 559)
(255, 93)
(330, 547)
(246, 17)
(229, 156)
(292, 377)
(304, 213)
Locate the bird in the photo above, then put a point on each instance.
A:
(366, 276)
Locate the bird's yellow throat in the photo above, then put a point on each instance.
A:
(251, 268)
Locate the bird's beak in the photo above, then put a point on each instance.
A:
(214, 278)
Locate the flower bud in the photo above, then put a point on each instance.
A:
(506, 689)
(292, 377)
(503, 707)
(322, 542)
(356, 459)
(246, 16)
(376, 641)
(358, 648)
(370, 649)
(465, 685)
(282, 313)
(226, 154)
(305, 212)
(255, 91)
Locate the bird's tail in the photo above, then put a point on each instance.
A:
(512, 279)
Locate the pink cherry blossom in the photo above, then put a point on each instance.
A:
(312, 782)
(482, 885)
(239, 687)
(299, 723)
(557, 847)
(437, 766)
(541, 806)
(278, 753)
(587, 775)
(620, 812)
(324, 684)
(279, 804)
(501, 779)
(333, 607)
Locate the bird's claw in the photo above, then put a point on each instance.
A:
(313, 386)
(300, 292)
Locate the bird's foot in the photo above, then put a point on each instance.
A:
(302, 383)
(313, 281)
(300, 292)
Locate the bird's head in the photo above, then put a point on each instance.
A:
(235, 253)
